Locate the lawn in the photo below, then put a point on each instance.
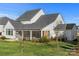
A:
(28, 48)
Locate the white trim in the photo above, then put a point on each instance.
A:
(22, 34)
(30, 34)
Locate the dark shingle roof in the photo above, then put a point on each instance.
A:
(28, 15)
(42, 22)
(60, 27)
(64, 26)
(3, 20)
(69, 26)
(16, 25)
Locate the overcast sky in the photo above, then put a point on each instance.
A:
(70, 12)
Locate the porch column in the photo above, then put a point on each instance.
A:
(30, 34)
(22, 34)
(41, 33)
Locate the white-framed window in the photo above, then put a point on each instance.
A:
(61, 22)
(9, 31)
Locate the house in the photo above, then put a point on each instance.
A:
(32, 24)
(66, 31)
(77, 30)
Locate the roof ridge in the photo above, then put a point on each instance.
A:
(50, 14)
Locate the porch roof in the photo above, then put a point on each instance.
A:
(62, 27)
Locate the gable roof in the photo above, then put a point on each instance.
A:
(28, 15)
(3, 20)
(16, 25)
(64, 26)
(42, 22)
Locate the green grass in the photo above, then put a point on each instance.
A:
(28, 48)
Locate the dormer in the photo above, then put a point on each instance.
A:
(30, 17)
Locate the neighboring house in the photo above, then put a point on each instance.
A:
(67, 31)
(77, 30)
(3, 21)
(32, 25)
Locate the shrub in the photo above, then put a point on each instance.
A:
(3, 37)
(53, 39)
(35, 40)
(44, 39)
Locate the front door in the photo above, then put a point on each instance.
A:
(46, 33)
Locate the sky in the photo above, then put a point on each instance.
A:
(70, 12)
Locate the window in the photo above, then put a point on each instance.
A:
(0, 33)
(9, 31)
(60, 22)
